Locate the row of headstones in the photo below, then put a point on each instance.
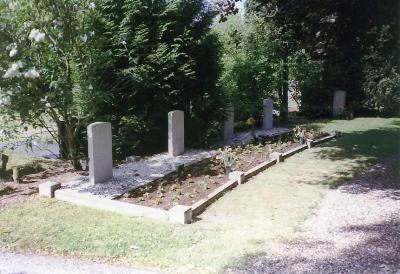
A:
(268, 122)
(100, 145)
(100, 140)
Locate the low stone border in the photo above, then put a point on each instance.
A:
(92, 201)
(178, 214)
(325, 139)
(201, 205)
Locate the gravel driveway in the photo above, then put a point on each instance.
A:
(11, 263)
(355, 230)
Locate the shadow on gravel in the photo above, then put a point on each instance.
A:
(377, 248)
(378, 254)
(383, 177)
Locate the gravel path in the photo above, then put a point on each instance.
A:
(355, 230)
(11, 263)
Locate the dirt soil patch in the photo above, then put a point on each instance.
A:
(198, 180)
(28, 186)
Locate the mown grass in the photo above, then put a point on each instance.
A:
(270, 207)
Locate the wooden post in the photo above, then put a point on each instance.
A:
(3, 171)
(15, 174)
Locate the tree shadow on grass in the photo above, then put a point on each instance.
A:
(371, 144)
(378, 252)
(357, 150)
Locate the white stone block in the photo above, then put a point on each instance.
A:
(268, 107)
(47, 189)
(176, 133)
(180, 214)
(100, 152)
(277, 156)
(339, 102)
(238, 176)
(310, 143)
(229, 124)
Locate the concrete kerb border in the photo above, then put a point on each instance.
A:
(177, 214)
(201, 205)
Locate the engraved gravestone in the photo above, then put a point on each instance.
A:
(100, 152)
(229, 124)
(339, 101)
(268, 106)
(176, 133)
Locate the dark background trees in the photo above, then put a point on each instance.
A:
(162, 57)
(356, 42)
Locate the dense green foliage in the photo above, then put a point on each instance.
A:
(356, 42)
(127, 62)
(48, 49)
(254, 66)
(162, 58)
(68, 63)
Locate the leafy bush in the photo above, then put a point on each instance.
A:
(162, 57)
(251, 66)
(380, 72)
(47, 51)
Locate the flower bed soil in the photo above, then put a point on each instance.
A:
(196, 181)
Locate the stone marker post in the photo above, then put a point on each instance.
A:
(100, 152)
(176, 133)
(229, 124)
(268, 106)
(3, 169)
(339, 101)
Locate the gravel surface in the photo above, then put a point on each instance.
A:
(355, 230)
(11, 263)
(131, 175)
(243, 138)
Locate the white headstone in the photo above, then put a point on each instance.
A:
(339, 101)
(100, 152)
(229, 124)
(176, 133)
(268, 106)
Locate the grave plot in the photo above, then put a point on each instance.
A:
(195, 182)
(180, 184)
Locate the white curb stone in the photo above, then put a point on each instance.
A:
(47, 189)
(277, 156)
(238, 176)
(180, 214)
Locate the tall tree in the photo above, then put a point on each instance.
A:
(334, 32)
(164, 58)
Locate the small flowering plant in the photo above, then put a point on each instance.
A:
(251, 123)
(48, 49)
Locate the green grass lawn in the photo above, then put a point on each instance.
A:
(270, 207)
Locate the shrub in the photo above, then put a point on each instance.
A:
(47, 51)
(162, 57)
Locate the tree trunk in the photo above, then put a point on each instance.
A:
(62, 140)
(73, 147)
(283, 93)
